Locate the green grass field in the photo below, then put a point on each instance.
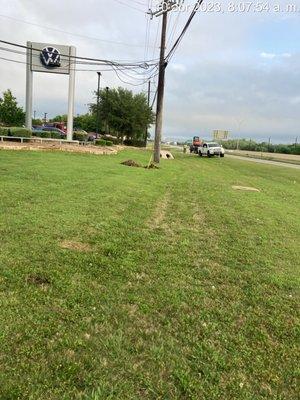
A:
(126, 283)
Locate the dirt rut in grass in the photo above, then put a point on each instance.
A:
(158, 218)
(76, 246)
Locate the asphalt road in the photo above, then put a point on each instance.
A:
(257, 160)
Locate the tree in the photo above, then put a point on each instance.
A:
(37, 122)
(10, 113)
(60, 118)
(124, 113)
(87, 122)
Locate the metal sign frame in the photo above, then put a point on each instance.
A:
(60, 60)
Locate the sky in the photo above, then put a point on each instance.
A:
(237, 67)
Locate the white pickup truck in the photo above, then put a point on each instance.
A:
(210, 149)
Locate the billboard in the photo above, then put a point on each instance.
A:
(51, 58)
(220, 135)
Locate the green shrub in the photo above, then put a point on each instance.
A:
(112, 139)
(100, 142)
(47, 134)
(19, 132)
(295, 149)
(4, 131)
(55, 135)
(80, 135)
(44, 134)
(283, 149)
(109, 143)
(134, 142)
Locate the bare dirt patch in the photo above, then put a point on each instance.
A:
(245, 188)
(76, 246)
(38, 280)
(71, 148)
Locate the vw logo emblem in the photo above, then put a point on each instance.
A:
(50, 57)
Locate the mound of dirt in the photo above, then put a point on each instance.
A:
(131, 163)
(151, 166)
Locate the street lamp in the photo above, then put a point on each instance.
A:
(98, 104)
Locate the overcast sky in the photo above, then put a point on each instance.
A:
(238, 71)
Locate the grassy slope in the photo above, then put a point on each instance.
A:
(189, 292)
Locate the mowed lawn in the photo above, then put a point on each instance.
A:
(125, 283)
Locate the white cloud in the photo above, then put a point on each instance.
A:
(271, 56)
(268, 55)
(214, 78)
(178, 67)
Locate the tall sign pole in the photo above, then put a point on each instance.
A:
(29, 82)
(98, 104)
(71, 94)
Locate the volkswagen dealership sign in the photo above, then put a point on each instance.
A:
(48, 57)
(55, 59)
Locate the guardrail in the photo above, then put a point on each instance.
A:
(38, 139)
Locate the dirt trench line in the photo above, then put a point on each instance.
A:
(158, 217)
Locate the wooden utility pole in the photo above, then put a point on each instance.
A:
(160, 90)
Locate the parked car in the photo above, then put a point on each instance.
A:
(62, 134)
(211, 149)
(57, 133)
(92, 136)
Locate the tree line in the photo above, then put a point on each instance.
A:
(252, 145)
(121, 113)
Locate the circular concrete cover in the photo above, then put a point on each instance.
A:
(166, 155)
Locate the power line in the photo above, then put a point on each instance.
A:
(129, 6)
(77, 70)
(173, 30)
(118, 68)
(147, 35)
(70, 33)
(19, 52)
(154, 98)
(178, 40)
(138, 2)
(76, 61)
(113, 68)
(153, 54)
(145, 64)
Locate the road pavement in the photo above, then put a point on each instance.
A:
(258, 160)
